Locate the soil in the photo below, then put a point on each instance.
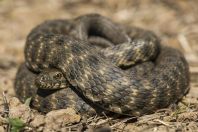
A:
(175, 22)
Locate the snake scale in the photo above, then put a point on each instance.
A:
(93, 64)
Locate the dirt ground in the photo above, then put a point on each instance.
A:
(174, 21)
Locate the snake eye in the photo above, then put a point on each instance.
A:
(42, 78)
(57, 76)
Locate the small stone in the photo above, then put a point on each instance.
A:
(14, 102)
(38, 121)
(59, 118)
(19, 110)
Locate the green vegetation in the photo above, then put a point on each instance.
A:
(16, 124)
(28, 101)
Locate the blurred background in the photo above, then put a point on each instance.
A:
(174, 21)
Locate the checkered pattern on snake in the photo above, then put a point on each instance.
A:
(93, 64)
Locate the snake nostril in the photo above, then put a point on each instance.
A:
(44, 78)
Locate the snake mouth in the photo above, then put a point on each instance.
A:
(42, 85)
(43, 82)
(47, 83)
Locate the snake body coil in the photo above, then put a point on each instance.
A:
(102, 66)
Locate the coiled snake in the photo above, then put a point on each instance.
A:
(93, 64)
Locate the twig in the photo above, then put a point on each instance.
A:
(107, 118)
(6, 110)
(93, 119)
(121, 122)
(162, 122)
(6, 106)
(190, 54)
(184, 43)
(100, 122)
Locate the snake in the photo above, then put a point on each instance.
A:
(93, 64)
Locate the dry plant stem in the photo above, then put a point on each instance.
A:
(162, 122)
(6, 106)
(6, 110)
(121, 122)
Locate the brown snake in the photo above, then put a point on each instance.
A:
(91, 64)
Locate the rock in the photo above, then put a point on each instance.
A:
(60, 118)
(19, 110)
(38, 121)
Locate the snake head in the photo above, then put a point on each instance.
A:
(51, 79)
